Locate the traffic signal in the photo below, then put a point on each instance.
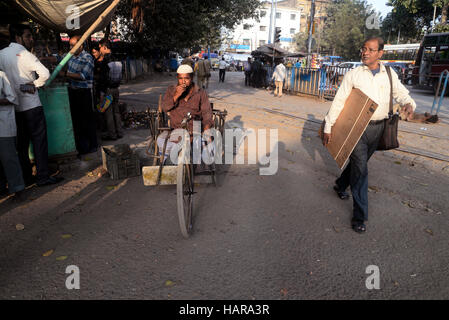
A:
(277, 35)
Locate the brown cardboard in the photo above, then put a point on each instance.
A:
(350, 125)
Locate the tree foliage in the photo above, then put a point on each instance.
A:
(346, 27)
(421, 10)
(401, 23)
(173, 24)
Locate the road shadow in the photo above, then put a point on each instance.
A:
(311, 142)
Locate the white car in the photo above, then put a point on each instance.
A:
(344, 67)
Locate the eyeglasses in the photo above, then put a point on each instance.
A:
(363, 50)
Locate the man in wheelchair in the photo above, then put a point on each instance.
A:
(186, 97)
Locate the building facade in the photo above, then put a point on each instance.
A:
(251, 34)
(291, 16)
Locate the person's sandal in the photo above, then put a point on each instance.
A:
(343, 195)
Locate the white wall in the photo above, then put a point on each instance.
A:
(255, 34)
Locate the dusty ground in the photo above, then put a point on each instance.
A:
(285, 236)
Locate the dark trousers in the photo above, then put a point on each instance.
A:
(31, 126)
(112, 115)
(247, 78)
(222, 73)
(84, 120)
(10, 170)
(356, 173)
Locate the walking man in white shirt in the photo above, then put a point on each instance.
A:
(20, 66)
(373, 80)
(222, 69)
(279, 77)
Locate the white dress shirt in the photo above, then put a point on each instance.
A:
(20, 66)
(377, 88)
(222, 65)
(279, 73)
(7, 114)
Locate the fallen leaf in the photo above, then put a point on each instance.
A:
(397, 162)
(429, 231)
(336, 229)
(66, 236)
(48, 253)
(90, 174)
(169, 283)
(20, 227)
(110, 188)
(61, 258)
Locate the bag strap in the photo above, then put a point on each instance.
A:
(390, 113)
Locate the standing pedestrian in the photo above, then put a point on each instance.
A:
(202, 69)
(112, 114)
(247, 68)
(279, 77)
(372, 79)
(80, 74)
(222, 69)
(10, 170)
(21, 67)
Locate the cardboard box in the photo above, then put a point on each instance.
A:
(350, 125)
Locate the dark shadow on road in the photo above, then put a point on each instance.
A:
(311, 142)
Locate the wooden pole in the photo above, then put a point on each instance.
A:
(81, 41)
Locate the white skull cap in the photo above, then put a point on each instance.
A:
(184, 68)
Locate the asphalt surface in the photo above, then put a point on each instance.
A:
(282, 236)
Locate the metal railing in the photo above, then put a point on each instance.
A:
(445, 75)
(322, 83)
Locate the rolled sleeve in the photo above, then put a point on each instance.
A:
(35, 65)
(167, 101)
(339, 102)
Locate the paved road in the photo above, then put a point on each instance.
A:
(282, 236)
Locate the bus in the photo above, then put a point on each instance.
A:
(432, 59)
(331, 60)
(400, 53)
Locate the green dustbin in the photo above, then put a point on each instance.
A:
(61, 140)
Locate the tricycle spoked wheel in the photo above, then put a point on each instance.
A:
(184, 196)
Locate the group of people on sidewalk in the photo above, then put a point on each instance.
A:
(258, 75)
(22, 118)
(93, 80)
(93, 84)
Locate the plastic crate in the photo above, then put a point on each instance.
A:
(120, 161)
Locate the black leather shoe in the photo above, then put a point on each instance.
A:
(359, 227)
(343, 195)
(50, 181)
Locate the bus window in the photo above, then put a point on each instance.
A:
(429, 54)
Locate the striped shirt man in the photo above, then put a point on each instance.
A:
(82, 64)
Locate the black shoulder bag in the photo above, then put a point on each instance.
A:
(389, 139)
